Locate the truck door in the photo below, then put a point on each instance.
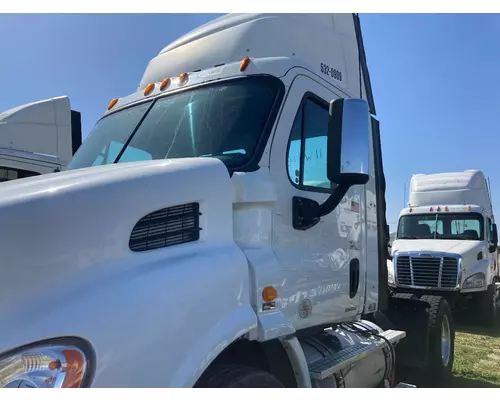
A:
(324, 265)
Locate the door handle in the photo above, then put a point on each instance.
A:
(353, 277)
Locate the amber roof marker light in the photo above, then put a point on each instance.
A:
(149, 88)
(112, 103)
(183, 78)
(165, 83)
(244, 64)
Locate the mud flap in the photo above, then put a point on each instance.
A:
(410, 314)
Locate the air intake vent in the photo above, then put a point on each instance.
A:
(167, 227)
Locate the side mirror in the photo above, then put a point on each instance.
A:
(348, 144)
(494, 239)
(347, 160)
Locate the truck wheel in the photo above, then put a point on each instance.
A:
(237, 376)
(488, 307)
(441, 341)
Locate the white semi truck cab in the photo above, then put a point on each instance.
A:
(230, 228)
(38, 138)
(447, 241)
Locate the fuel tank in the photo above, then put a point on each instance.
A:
(368, 372)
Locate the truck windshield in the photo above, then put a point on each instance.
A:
(455, 226)
(225, 120)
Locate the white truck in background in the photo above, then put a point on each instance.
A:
(447, 241)
(38, 138)
(208, 249)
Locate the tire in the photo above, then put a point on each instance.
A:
(487, 307)
(237, 376)
(441, 352)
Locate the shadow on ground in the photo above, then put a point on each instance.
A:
(477, 330)
(469, 324)
(457, 381)
(463, 382)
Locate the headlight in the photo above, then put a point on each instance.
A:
(44, 366)
(390, 272)
(390, 275)
(474, 281)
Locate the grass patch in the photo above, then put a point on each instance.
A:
(477, 356)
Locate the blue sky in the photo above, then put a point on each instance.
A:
(434, 78)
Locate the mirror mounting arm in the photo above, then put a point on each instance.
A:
(334, 200)
(307, 213)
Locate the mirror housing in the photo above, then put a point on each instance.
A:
(347, 160)
(348, 144)
(494, 239)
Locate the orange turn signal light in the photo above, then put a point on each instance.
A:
(74, 369)
(269, 294)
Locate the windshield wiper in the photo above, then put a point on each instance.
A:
(408, 237)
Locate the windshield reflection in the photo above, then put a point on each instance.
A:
(225, 120)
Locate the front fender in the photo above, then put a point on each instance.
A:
(150, 325)
(154, 318)
(211, 343)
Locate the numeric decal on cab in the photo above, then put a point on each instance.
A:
(331, 72)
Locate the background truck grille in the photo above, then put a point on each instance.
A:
(434, 272)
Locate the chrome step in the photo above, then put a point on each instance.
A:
(399, 385)
(405, 385)
(328, 366)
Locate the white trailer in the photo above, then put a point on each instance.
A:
(38, 138)
(447, 242)
(206, 250)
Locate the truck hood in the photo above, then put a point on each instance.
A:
(55, 227)
(447, 246)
